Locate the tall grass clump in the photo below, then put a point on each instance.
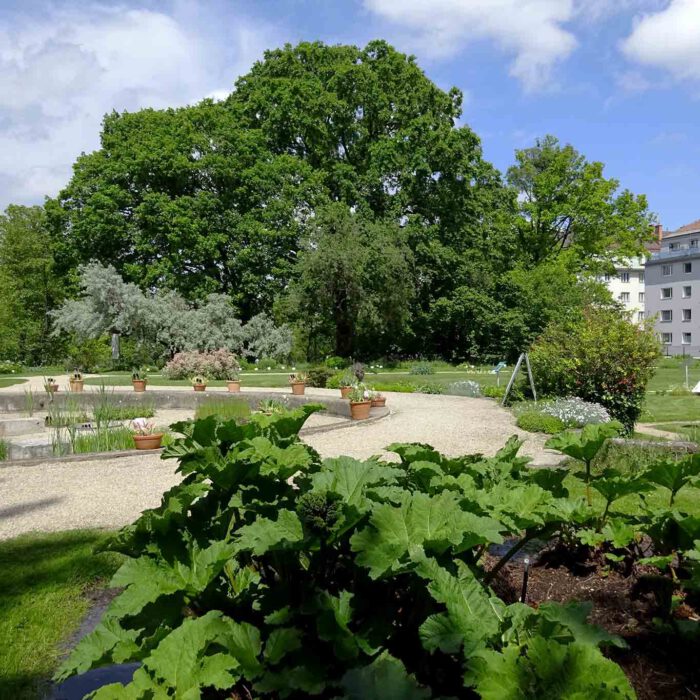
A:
(232, 409)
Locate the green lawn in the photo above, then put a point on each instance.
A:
(43, 584)
(8, 380)
(661, 408)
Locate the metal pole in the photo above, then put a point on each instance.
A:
(529, 374)
(511, 381)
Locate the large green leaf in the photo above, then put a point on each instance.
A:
(584, 445)
(548, 670)
(384, 679)
(433, 522)
(473, 611)
(265, 535)
(674, 474)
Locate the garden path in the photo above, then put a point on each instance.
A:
(112, 492)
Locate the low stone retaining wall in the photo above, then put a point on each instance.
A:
(164, 399)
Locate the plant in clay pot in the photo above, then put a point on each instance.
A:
(297, 380)
(378, 399)
(139, 378)
(76, 382)
(145, 435)
(199, 383)
(50, 385)
(233, 382)
(347, 381)
(360, 403)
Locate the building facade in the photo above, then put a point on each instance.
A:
(627, 286)
(672, 290)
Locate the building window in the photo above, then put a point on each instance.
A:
(641, 297)
(667, 315)
(624, 277)
(671, 246)
(687, 291)
(667, 338)
(687, 338)
(624, 296)
(607, 278)
(640, 316)
(694, 243)
(687, 267)
(666, 270)
(641, 277)
(667, 292)
(687, 315)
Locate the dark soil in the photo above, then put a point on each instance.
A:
(658, 665)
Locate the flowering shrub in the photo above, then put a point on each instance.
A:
(7, 367)
(465, 387)
(219, 364)
(575, 412)
(599, 356)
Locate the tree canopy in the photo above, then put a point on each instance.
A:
(337, 188)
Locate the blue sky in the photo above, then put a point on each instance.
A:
(619, 79)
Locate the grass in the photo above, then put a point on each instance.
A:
(687, 431)
(3, 450)
(226, 409)
(104, 440)
(6, 380)
(43, 584)
(660, 408)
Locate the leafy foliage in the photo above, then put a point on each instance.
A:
(268, 571)
(600, 357)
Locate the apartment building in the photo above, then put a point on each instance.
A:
(627, 286)
(672, 290)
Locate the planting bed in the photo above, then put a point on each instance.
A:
(658, 665)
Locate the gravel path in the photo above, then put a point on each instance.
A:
(110, 493)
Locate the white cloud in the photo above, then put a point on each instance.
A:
(669, 40)
(61, 73)
(531, 30)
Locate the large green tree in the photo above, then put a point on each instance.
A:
(565, 203)
(29, 288)
(355, 284)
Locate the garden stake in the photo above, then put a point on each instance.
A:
(523, 593)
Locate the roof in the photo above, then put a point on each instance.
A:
(692, 227)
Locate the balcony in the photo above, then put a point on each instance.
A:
(675, 254)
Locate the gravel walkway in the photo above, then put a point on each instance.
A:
(110, 493)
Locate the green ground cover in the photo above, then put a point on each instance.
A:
(9, 380)
(43, 584)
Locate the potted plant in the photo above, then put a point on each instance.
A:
(346, 383)
(50, 385)
(297, 380)
(199, 383)
(145, 435)
(139, 379)
(360, 403)
(76, 381)
(378, 399)
(233, 382)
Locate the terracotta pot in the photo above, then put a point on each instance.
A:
(148, 442)
(234, 387)
(139, 385)
(359, 410)
(200, 387)
(378, 403)
(344, 391)
(51, 388)
(76, 385)
(298, 388)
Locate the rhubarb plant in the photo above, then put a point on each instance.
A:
(270, 573)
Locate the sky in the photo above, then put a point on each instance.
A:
(618, 79)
